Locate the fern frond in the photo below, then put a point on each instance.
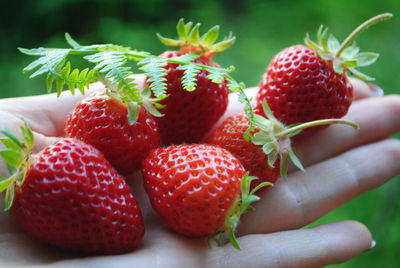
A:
(215, 75)
(112, 65)
(189, 77)
(239, 88)
(49, 60)
(153, 68)
(73, 79)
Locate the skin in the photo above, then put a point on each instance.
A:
(350, 163)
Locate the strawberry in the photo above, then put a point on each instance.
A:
(70, 196)
(229, 135)
(102, 121)
(198, 190)
(267, 154)
(303, 84)
(191, 111)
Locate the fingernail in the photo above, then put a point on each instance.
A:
(373, 244)
(376, 91)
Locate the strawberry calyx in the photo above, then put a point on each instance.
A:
(241, 205)
(16, 154)
(274, 137)
(189, 40)
(345, 57)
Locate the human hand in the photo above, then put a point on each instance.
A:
(336, 171)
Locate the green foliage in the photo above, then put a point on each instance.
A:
(112, 69)
(16, 155)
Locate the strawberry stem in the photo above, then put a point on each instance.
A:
(321, 122)
(361, 28)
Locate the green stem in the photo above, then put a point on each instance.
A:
(361, 28)
(316, 123)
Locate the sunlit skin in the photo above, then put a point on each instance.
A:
(340, 162)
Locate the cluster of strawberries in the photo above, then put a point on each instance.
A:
(73, 194)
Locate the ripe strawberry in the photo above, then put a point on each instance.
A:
(102, 122)
(198, 190)
(268, 152)
(303, 84)
(69, 196)
(189, 113)
(229, 135)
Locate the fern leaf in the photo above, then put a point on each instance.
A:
(153, 68)
(50, 60)
(71, 78)
(189, 76)
(216, 75)
(112, 65)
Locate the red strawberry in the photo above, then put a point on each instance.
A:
(268, 152)
(69, 196)
(102, 122)
(300, 86)
(229, 135)
(191, 110)
(198, 190)
(303, 84)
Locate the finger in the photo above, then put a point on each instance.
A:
(378, 118)
(306, 196)
(363, 90)
(313, 247)
(13, 123)
(48, 113)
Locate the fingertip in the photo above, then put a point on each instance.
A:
(41, 141)
(364, 90)
(345, 240)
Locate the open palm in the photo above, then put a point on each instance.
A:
(340, 162)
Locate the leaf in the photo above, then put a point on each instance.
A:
(269, 147)
(338, 66)
(154, 69)
(267, 110)
(350, 52)
(189, 77)
(27, 135)
(223, 45)
(185, 58)
(5, 182)
(233, 240)
(272, 157)
(11, 157)
(263, 123)
(49, 62)
(210, 36)
(361, 75)
(12, 137)
(366, 58)
(9, 197)
(152, 110)
(168, 41)
(295, 160)
(333, 44)
(71, 41)
(194, 35)
(261, 138)
(284, 163)
(180, 28)
(133, 112)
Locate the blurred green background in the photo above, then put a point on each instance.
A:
(262, 27)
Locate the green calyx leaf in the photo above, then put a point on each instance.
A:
(274, 138)
(189, 37)
(16, 155)
(345, 55)
(241, 205)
